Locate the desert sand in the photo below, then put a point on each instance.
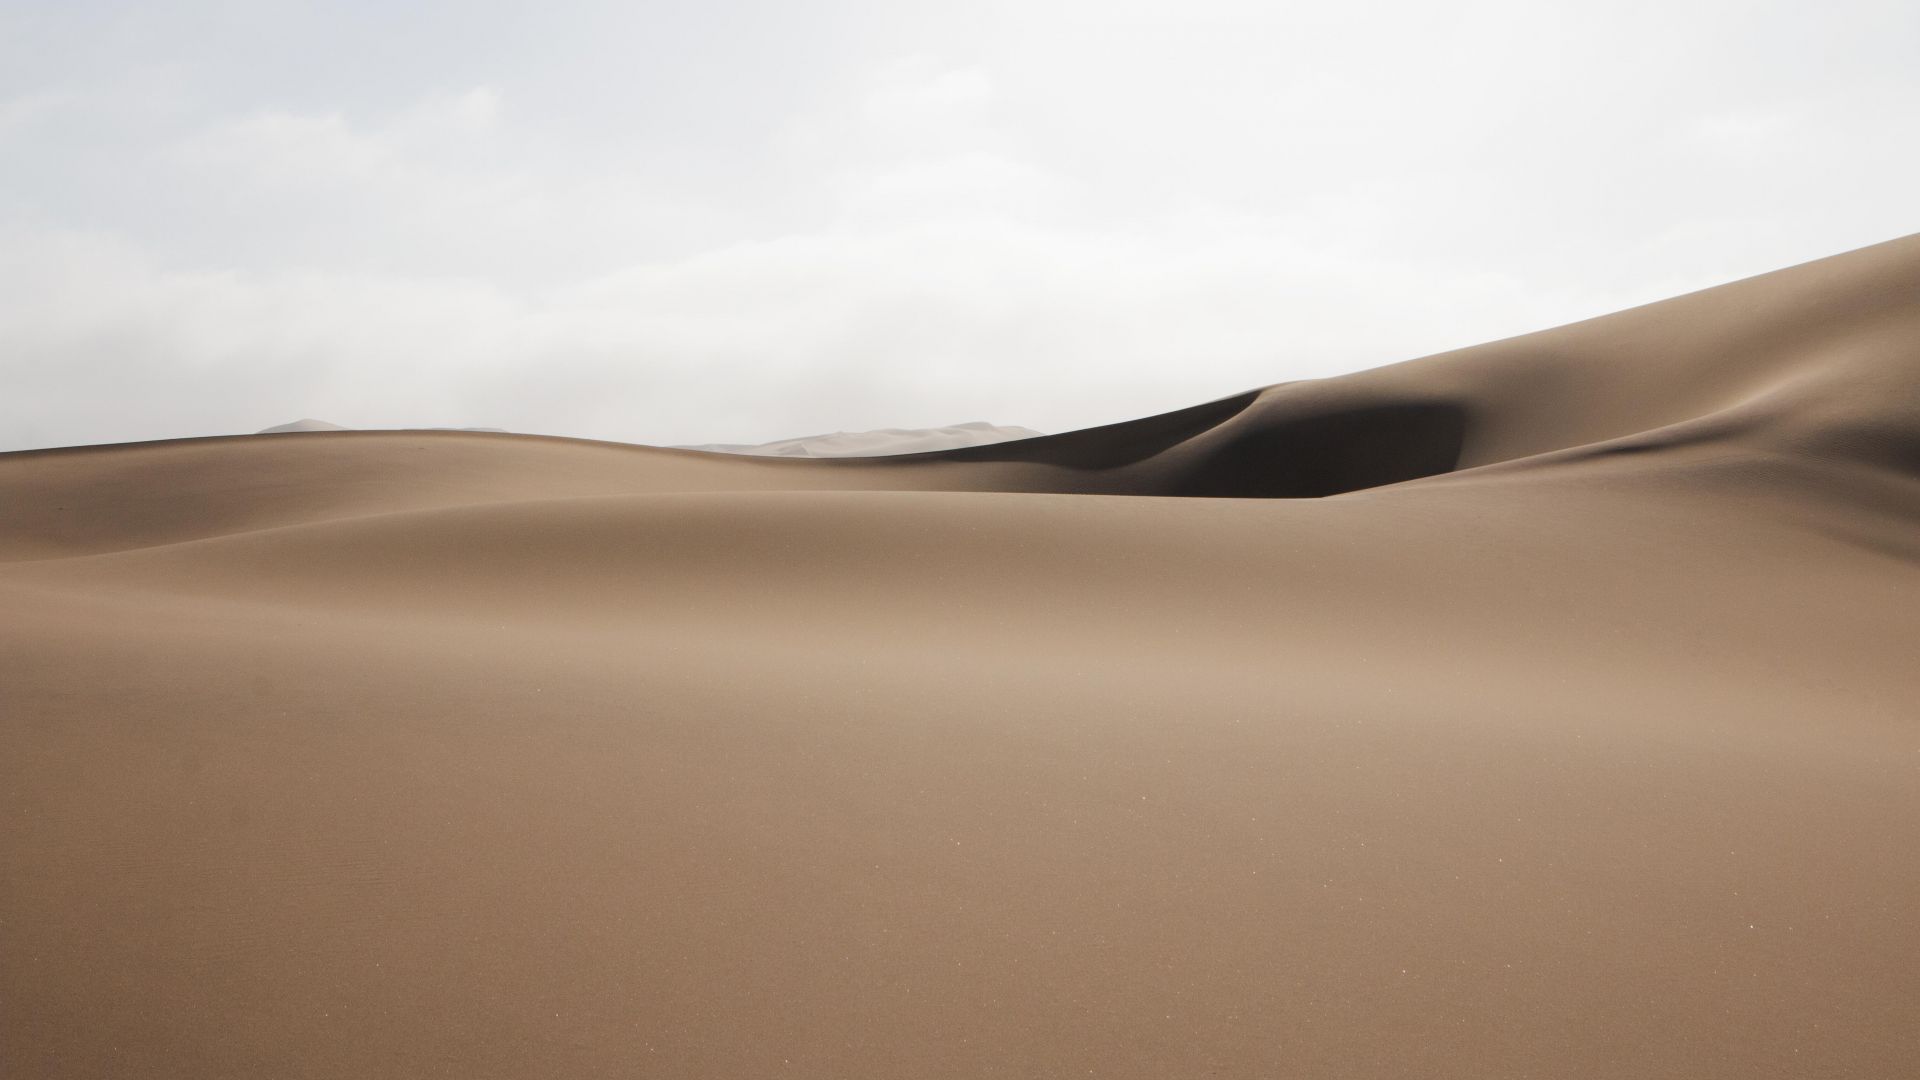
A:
(1549, 708)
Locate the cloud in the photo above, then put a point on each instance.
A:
(1049, 214)
(912, 325)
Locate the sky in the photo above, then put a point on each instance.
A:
(725, 221)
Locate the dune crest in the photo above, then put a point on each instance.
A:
(1540, 708)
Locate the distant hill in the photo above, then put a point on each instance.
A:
(308, 424)
(880, 443)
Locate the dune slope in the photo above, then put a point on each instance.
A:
(1546, 708)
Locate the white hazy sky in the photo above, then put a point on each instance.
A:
(735, 221)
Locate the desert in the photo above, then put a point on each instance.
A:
(1542, 708)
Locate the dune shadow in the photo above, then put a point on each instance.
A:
(1328, 453)
(1109, 447)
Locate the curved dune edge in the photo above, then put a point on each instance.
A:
(1541, 708)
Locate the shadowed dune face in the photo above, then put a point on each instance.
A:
(1255, 446)
(1315, 453)
(1107, 448)
(1545, 708)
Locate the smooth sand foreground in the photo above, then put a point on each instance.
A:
(1549, 708)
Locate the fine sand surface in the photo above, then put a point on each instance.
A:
(1549, 708)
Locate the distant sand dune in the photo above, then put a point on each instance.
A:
(885, 441)
(308, 424)
(1545, 708)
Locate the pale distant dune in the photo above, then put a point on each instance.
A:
(308, 424)
(884, 442)
(1546, 708)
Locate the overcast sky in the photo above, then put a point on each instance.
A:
(725, 221)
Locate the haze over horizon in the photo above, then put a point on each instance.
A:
(679, 223)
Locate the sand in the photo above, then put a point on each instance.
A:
(1548, 708)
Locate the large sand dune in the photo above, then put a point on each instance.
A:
(1573, 730)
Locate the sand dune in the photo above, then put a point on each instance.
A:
(307, 424)
(885, 441)
(1546, 708)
